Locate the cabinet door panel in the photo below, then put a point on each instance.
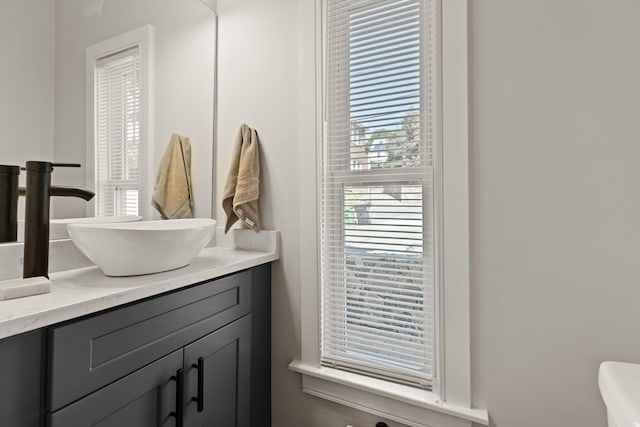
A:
(141, 412)
(227, 366)
(144, 398)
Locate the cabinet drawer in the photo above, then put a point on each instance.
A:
(88, 354)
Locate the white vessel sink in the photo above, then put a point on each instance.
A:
(58, 227)
(620, 388)
(134, 248)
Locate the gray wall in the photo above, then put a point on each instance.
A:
(555, 205)
(26, 81)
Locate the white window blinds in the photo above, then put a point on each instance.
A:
(378, 267)
(117, 132)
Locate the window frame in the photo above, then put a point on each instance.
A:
(450, 402)
(142, 38)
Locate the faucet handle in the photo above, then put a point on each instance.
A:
(47, 167)
(65, 165)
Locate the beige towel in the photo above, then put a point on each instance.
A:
(172, 193)
(241, 191)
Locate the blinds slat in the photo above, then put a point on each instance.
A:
(355, 333)
(379, 66)
(360, 337)
(382, 317)
(381, 17)
(372, 303)
(399, 357)
(382, 46)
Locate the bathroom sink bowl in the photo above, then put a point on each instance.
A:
(134, 248)
(620, 387)
(58, 227)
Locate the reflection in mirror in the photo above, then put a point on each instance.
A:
(118, 117)
(58, 227)
(43, 110)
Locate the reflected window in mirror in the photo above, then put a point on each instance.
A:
(117, 142)
(118, 74)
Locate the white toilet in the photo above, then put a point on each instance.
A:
(620, 388)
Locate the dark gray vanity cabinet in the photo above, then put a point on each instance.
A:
(198, 356)
(205, 384)
(21, 376)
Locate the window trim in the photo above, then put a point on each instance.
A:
(141, 37)
(451, 402)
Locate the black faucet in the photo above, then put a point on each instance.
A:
(9, 203)
(36, 231)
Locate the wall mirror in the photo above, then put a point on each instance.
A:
(43, 86)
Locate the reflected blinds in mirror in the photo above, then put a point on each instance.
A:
(117, 132)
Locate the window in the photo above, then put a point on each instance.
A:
(385, 279)
(378, 264)
(117, 72)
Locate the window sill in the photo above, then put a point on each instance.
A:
(395, 402)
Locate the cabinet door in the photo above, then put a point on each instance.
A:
(224, 379)
(144, 398)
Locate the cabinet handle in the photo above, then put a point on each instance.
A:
(200, 398)
(178, 413)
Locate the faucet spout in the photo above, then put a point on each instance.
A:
(36, 233)
(71, 192)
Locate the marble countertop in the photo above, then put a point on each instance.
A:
(81, 291)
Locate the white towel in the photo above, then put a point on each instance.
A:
(242, 189)
(172, 193)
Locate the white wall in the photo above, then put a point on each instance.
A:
(26, 81)
(183, 89)
(555, 205)
(257, 75)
